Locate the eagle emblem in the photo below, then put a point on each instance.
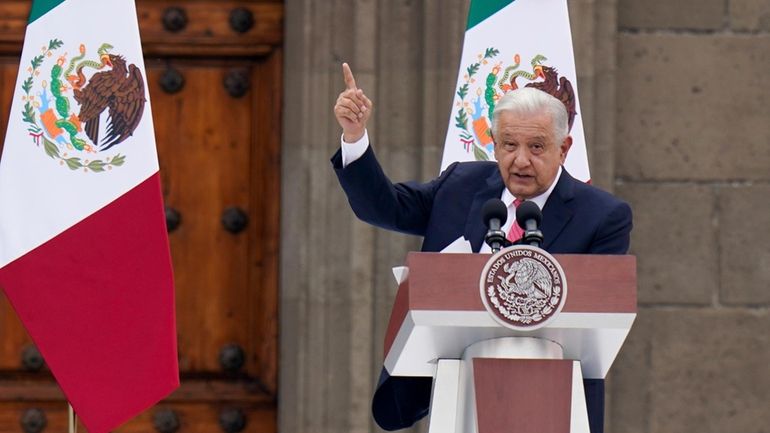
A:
(486, 80)
(119, 90)
(523, 287)
(80, 107)
(527, 278)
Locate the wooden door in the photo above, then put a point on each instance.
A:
(214, 71)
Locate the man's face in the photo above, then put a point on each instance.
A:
(527, 152)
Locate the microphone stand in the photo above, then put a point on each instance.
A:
(532, 235)
(496, 240)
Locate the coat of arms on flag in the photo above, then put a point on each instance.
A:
(79, 106)
(487, 80)
(506, 48)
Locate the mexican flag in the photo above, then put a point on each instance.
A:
(511, 44)
(84, 255)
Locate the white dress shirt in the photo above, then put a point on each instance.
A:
(355, 150)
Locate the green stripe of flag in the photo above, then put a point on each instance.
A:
(483, 9)
(41, 7)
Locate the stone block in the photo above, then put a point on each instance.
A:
(664, 14)
(627, 387)
(744, 238)
(674, 240)
(750, 15)
(693, 107)
(709, 371)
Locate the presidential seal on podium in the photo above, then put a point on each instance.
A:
(523, 287)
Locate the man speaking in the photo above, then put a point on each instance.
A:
(531, 141)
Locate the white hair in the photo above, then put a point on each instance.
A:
(531, 101)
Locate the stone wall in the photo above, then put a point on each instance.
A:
(677, 119)
(693, 158)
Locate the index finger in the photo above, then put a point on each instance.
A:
(350, 82)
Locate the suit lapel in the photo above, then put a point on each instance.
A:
(474, 226)
(557, 211)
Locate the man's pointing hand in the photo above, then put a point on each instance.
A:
(352, 108)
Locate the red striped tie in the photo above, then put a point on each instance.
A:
(515, 233)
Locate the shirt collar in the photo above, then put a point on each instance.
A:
(539, 200)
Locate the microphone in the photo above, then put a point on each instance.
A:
(529, 216)
(494, 214)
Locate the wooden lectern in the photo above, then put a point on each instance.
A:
(492, 379)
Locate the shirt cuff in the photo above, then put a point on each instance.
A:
(352, 151)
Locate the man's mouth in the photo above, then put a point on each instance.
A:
(522, 176)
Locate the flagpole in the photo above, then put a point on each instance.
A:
(73, 419)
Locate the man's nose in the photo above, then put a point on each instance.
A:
(521, 159)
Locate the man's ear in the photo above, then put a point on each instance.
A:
(565, 146)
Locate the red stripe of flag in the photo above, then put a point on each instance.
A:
(98, 301)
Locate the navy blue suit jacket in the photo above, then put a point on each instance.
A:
(577, 218)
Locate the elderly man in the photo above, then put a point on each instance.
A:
(531, 141)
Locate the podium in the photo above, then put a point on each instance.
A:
(492, 379)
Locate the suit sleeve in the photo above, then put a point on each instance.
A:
(403, 207)
(399, 402)
(614, 233)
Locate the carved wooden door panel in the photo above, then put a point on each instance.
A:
(214, 71)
